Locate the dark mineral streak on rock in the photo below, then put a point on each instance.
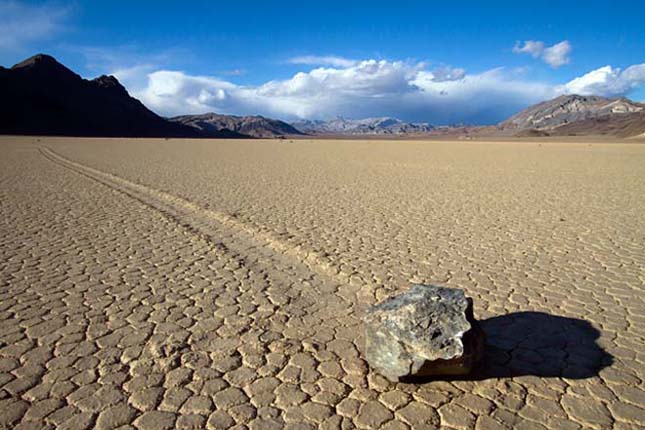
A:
(425, 331)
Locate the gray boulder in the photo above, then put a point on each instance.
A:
(426, 331)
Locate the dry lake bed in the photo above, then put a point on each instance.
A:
(179, 284)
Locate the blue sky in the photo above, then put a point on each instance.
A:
(420, 61)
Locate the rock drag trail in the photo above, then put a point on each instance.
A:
(196, 218)
(127, 303)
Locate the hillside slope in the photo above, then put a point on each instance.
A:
(256, 126)
(577, 114)
(40, 96)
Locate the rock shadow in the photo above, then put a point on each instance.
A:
(541, 344)
(537, 344)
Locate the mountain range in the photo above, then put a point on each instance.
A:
(40, 96)
(255, 126)
(342, 126)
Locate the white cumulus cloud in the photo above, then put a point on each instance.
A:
(556, 55)
(445, 73)
(408, 90)
(173, 92)
(532, 47)
(367, 88)
(607, 81)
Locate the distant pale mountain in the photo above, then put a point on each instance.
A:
(578, 115)
(256, 126)
(365, 126)
(40, 96)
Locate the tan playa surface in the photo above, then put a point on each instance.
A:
(162, 284)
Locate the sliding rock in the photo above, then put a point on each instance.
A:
(426, 331)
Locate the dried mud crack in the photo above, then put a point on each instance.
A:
(197, 218)
(122, 305)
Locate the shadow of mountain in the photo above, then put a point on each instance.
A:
(540, 344)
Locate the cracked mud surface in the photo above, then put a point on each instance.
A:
(156, 284)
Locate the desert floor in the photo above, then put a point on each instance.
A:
(162, 284)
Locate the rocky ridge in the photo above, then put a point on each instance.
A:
(576, 114)
(256, 125)
(383, 125)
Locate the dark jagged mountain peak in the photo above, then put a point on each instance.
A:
(111, 83)
(40, 96)
(39, 60)
(42, 66)
(108, 81)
